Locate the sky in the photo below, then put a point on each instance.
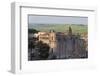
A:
(40, 19)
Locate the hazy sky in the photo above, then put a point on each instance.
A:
(57, 20)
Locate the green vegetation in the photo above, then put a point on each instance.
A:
(76, 28)
(32, 31)
(43, 50)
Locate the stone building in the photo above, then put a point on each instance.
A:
(64, 45)
(49, 38)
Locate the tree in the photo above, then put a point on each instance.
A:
(32, 31)
(43, 50)
(70, 31)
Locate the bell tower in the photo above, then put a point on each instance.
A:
(52, 40)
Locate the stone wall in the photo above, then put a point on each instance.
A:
(70, 46)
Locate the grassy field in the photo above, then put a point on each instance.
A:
(76, 28)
